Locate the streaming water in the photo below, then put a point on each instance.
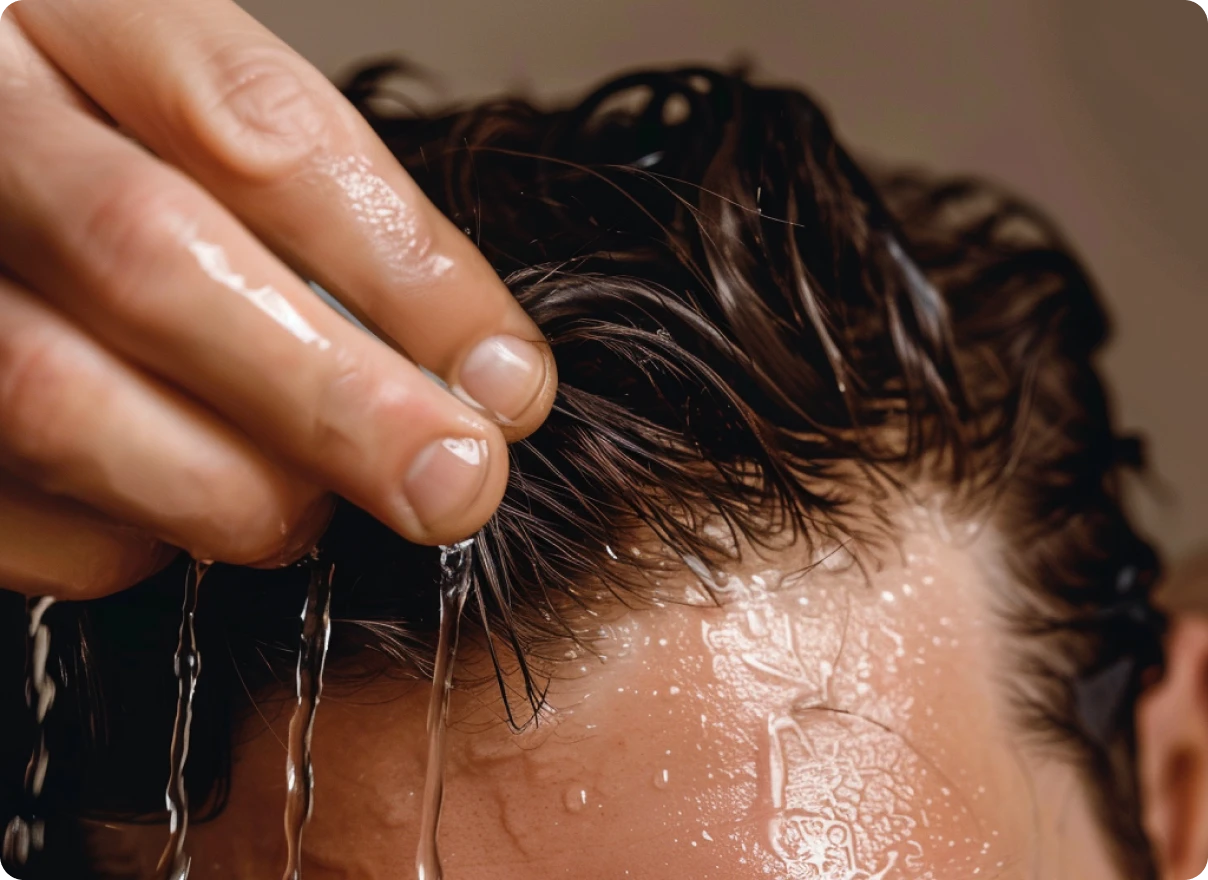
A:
(174, 864)
(456, 578)
(299, 770)
(26, 835)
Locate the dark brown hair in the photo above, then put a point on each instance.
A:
(750, 331)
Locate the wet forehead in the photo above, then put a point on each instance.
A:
(830, 725)
(835, 726)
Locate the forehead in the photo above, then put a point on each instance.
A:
(832, 725)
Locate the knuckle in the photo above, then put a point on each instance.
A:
(369, 420)
(129, 231)
(363, 417)
(34, 382)
(332, 433)
(264, 116)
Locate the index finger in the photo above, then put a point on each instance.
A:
(211, 91)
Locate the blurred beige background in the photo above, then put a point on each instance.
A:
(1098, 109)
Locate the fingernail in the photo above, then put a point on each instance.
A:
(445, 478)
(503, 375)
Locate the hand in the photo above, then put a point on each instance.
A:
(166, 379)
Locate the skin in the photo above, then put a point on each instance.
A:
(168, 170)
(836, 727)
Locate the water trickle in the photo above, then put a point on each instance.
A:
(299, 768)
(26, 835)
(456, 578)
(173, 863)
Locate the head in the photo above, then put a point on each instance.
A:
(819, 568)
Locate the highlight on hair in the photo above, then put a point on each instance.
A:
(752, 334)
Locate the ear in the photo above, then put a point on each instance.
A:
(1172, 735)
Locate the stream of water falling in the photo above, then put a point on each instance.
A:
(174, 864)
(26, 835)
(456, 578)
(299, 769)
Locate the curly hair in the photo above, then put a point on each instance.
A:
(751, 332)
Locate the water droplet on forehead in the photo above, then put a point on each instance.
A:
(836, 558)
(575, 799)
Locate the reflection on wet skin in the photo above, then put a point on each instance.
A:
(826, 667)
(810, 839)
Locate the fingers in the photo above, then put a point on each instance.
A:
(77, 421)
(158, 271)
(26, 71)
(211, 91)
(57, 547)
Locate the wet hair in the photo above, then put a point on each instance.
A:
(753, 334)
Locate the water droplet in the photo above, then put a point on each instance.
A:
(662, 779)
(837, 558)
(575, 799)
